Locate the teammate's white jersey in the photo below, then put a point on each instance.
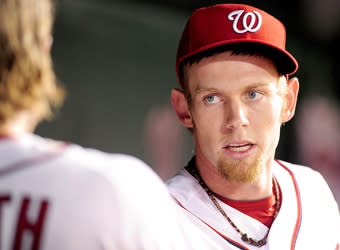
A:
(58, 196)
(308, 218)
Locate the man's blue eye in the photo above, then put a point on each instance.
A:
(210, 98)
(252, 95)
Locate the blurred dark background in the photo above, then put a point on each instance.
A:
(116, 60)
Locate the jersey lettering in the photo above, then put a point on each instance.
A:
(3, 200)
(34, 227)
(29, 224)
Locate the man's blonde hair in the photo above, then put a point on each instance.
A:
(27, 79)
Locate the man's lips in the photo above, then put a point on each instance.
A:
(239, 147)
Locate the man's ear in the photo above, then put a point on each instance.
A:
(290, 99)
(47, 43)
(180, 104)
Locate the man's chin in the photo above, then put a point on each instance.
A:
(245, 170)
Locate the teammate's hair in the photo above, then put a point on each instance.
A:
(27, 79)
(244, 48)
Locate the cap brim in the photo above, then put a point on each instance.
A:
(284, 61)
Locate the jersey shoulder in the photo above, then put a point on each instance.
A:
(312, 186)
(118, 170)
(301, 172)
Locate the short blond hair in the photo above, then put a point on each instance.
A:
(27, 79)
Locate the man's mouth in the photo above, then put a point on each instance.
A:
(239, 147)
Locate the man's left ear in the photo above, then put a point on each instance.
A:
(290, 99)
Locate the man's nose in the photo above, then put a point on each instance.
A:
(236, 115)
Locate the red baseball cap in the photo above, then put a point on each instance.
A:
(234, 23)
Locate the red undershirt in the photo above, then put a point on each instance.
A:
(261, 210)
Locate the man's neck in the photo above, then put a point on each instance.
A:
(17, 126)
(259, 189)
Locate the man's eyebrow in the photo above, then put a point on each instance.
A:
(199, 90)
(257, 85)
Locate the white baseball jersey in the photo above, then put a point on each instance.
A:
(308, 218)
(58, 196)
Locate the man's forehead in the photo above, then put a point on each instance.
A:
(231, 57)
(229, 64)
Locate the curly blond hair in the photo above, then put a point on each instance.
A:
(27, 79)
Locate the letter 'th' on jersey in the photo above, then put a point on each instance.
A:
(30, 221)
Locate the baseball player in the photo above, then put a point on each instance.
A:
(55, 195)
(233, 68)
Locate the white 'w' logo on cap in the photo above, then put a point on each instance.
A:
(247, 26)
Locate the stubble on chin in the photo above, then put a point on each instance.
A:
(240, 170)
